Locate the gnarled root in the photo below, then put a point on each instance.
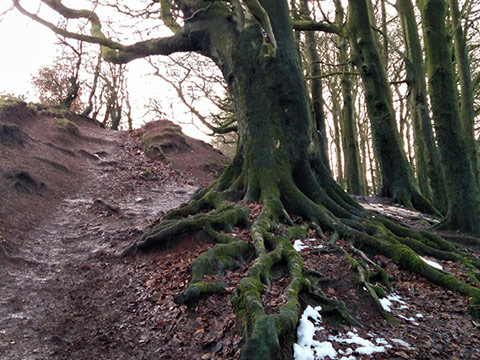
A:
(325, 209)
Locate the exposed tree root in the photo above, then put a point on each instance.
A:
(272, 230)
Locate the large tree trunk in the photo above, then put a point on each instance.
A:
(398, 181)
(429, 168)
(462, 191)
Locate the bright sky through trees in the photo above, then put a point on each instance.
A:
(27, 46)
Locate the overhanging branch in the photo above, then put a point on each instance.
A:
(112, 51)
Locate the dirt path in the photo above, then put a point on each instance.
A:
(74, 299)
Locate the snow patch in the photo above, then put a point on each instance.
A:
(411, 319)
(381, 341)
(387, 302)
(433, 264)
(306, 348)
(366, 346)
(299, 245)
(401, 343)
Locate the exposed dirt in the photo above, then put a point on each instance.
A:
(70, 202)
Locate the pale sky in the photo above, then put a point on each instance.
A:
(26, 46)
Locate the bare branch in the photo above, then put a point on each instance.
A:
(112, 51)
(309, 25)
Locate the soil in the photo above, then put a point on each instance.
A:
(72, 201)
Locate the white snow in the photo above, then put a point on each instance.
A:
(411, 319)
(402, 343)
(387, 302)
(419, 316)
(381, 341)
(306, 348)
(397, 298)
(299, 245)
(366, 346)
(434, 264)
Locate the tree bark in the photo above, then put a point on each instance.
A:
(349, 133)
(462, 191)
(467, 109)
(398, 182)
(316, 90)
(429, 168)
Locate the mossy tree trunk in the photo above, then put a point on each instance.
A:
(349, 133)
(429, 169)
(398, 181)
(316, 92)
(467, 109)
(462, 191)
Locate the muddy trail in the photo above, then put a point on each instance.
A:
(64, 292)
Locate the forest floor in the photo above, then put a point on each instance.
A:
(71, 201)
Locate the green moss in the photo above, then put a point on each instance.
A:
(382, 277)
(220, 258)
(170, 139)
(196, 291)
(66, 126)
(379, 291)
(473, 277)
(147, 174)
(263, 344)
(154, 152)
(408, 259)
(246, 300)
(168, 231)
(474, 307)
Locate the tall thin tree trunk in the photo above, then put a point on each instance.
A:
(320, 131)
(349, 134)
(336, 115)
(429, 168)
(467, 110)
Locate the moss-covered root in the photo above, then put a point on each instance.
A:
(364, 276)
(407, 258)
(167, 232)
(221, 257)
(266, 330)
(263, 331)
(263, 344)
